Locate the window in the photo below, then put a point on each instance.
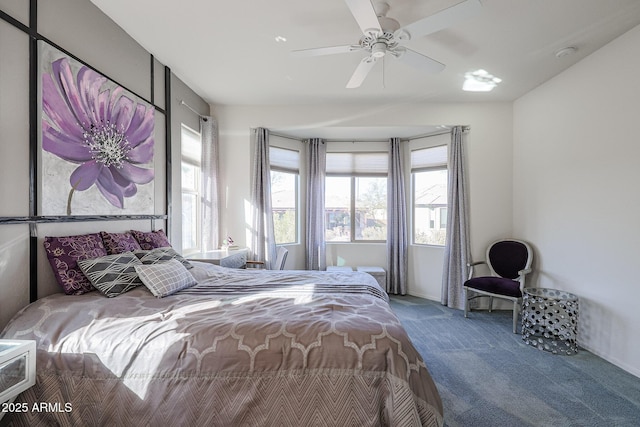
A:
(191, 144)
(284, 193)
(356, 197)
(429, 183)
(337, 207)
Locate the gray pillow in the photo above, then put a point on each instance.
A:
(112, 274)
(165, 278)
(156, 255)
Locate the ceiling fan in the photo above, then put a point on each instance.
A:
(383, 35)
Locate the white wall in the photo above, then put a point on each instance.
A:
(489, 158)
(576, 172)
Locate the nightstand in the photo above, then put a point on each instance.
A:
(17, 368)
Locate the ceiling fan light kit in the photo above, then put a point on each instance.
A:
(378, 50)
(382, 35)
(479, 81)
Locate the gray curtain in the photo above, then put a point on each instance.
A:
(209, 203)
(456, 253)
(263, 244)
(397, 234)
(316, 167)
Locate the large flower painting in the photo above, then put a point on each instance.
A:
(97, 142)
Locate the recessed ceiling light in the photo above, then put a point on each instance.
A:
(280, 39)
(566, 51)
(479, 81)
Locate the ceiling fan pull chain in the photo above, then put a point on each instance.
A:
(384, 74)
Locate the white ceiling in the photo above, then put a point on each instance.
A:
(227, 51)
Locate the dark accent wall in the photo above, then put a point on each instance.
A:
(80, 30)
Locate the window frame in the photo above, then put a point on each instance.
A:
(352, 205)
(296, 173)
(197, 191)
(296, 208)
(439, 167)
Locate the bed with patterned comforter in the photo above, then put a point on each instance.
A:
(256, 348)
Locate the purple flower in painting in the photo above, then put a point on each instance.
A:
(103, 131)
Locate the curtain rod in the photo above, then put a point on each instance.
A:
(444, 132)
(296, 138)
(191, 108)
(280, 135)
(426, 135)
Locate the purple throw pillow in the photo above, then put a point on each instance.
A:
(117, 243)
(65, 252)
(151, 239)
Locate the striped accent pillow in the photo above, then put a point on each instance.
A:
(165, 278)
(157, 255)
(112, 274)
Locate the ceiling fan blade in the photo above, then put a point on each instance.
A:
(361, 72)
(440, 20)
(419, 61)
(318, 51)
(365, 15)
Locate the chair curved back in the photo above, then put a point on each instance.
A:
(281, 258)
(509, 261)
(507, 257)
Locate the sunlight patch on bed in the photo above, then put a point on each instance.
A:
(301, 294)
(190, 308)
(136, 358)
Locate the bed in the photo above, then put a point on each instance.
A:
(241, 347)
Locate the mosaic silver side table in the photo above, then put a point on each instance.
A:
(550, 320)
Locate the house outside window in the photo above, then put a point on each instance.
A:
(429, 177)
(356, 197)
(285, 174)
(191, 167)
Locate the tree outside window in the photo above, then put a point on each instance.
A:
(371, 208)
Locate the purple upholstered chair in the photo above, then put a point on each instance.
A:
(509, 261)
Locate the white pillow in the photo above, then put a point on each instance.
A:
(165, 278)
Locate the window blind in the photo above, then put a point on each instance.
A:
(191, 145)
(428, 158)
(358, 163)
(284, 159)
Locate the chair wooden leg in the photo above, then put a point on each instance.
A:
(490, 304)
(515, 317)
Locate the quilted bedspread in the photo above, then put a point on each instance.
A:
(255, 348)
